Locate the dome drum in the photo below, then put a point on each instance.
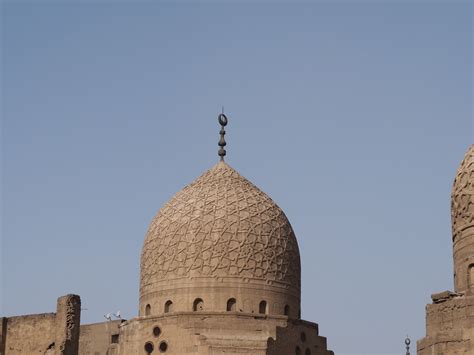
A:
(215, 297)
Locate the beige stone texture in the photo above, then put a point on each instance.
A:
(98, 338)
(68, 316)
(220, 333)
(462, 215)
(31, 334)
(450, 319)
(220, 275)
(449, 327)
(47, 333)
(220, 238)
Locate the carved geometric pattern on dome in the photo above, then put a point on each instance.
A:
(462, 197)
(218, 226)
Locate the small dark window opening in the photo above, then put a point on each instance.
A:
(299, 313)
(149, 347)
(231, 305)
(303, 337)
(156, 331)
(147, 310)
(262, 307)
(297, 351)
(163, 347)
(168, 306)
(307, 352)
(198, 305)
(287, 310)
(114, 339)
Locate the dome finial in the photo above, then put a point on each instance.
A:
(223, 122)
(407, 345)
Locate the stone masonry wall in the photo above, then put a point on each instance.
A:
(68, 319)
(298, 337)
(44, 334)
(449, 327)
(31, 334)
(97, 338)
(219, 333)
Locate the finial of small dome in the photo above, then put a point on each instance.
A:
(407, 344)
(223, 122)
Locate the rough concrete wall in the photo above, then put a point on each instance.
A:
(298, 337)
(96, 338)
(31, 334)
(68, 317)
(449, 328)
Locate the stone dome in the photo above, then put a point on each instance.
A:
(220, 238)
(462, 218)
(462, 197)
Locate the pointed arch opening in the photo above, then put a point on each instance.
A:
(231, 305)
(168, 306)
(198, 305)
(263, 308)
(147, 310)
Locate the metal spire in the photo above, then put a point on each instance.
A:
(223, 122)
(407, 343)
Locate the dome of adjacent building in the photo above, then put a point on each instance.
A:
(220, 238)
(462, 202)
(462, 217)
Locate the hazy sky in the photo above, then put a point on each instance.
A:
(353, 116)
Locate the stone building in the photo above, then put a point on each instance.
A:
(46, 333)
(220, 274)
(450, 318)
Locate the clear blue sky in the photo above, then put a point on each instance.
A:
(352, 116)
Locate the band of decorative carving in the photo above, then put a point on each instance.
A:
(68, 322)
(462, 197)
(221, 225)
